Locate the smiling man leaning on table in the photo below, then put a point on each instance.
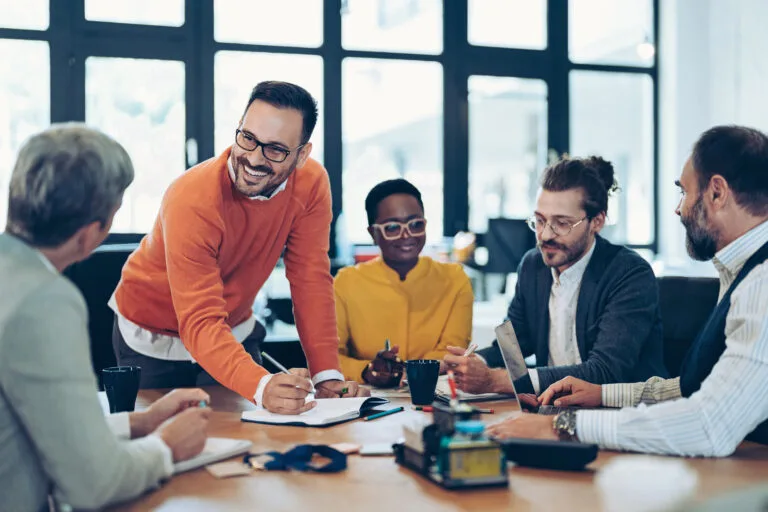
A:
(720, 397)
(183, 307)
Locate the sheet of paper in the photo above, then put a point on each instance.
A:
(228, 469)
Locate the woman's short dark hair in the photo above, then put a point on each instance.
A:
(288, 95)
(386, 189)
(740, 155)
(594, 175)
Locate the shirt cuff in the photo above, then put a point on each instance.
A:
(481, 358)
(534, 374)
(616, 395)
(155, 440)
(120, 425)
(260, 389)
(327, 375)
(598, 427)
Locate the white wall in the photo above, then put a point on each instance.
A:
(713, 63)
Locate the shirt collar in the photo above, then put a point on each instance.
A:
(730, 259)
(46, 261)
(575, 272)
(279, 189)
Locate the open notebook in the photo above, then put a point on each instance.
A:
(443, 393)
(216, 449)
(327, 412)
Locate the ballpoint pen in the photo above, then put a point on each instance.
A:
(280, 367)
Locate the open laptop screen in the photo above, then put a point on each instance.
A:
(513, 357)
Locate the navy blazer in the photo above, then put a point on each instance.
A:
(618, 323)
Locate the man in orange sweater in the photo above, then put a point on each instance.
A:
(184, 303)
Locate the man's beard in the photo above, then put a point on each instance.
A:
(572, 253)
(700, 243)
(246, 189)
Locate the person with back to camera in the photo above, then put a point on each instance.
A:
(66, 186)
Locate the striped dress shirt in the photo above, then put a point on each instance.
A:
(731, 401)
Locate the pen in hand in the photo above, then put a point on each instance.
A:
(279, 366)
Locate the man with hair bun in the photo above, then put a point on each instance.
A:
(586, 307)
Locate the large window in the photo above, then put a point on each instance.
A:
(612, 116)
(397, 136)
(467, 99)
(507, 147)
(281, 23)
(252, 68)
(24, 103)
(145, 12)
(413, 26)
(611, 32)
(508, 23)
(140, 103)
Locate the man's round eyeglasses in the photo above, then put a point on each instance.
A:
(559, 227)
(394, 230)
(271, 152)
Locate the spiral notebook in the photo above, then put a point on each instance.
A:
(216, 449)
(327, 412)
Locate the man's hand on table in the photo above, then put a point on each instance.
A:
(145, 422)
(340, 389)
(532, 426)
(286, 393)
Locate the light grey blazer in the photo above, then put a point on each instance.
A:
(54, 438)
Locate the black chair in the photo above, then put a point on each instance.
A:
(97, 278)
(685, 303)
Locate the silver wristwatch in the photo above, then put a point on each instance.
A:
(564, 425)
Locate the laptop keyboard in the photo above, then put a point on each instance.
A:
(551, 409)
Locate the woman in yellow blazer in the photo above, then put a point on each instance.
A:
(419, 304)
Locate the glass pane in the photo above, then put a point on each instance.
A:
(507, 147)
(141, 12)
(508, 23)
(231, 96)
(283, 23)
(141, 104)
(29, 14)
(611, 32)
(399, 134)
(612, 116)
(413, 26)
(24, 103)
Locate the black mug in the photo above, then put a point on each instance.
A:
(422, 380)
(122, 386)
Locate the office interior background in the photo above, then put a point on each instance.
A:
(468, 99)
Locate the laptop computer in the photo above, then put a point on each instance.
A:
(516, 367)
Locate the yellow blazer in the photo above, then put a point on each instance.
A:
(428, 311)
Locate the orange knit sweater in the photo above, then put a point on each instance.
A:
(211, 249)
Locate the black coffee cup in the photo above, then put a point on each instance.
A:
(122, 386)
(422, 380)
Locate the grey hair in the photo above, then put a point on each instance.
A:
(65, 178)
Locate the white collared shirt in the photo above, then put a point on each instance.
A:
(731, 401)
(563, 299)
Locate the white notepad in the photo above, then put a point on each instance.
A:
(443, 393)
(327, 412)
(216, 449)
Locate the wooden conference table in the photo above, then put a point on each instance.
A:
(377, 483)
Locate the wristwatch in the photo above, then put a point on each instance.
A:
(564, 425)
